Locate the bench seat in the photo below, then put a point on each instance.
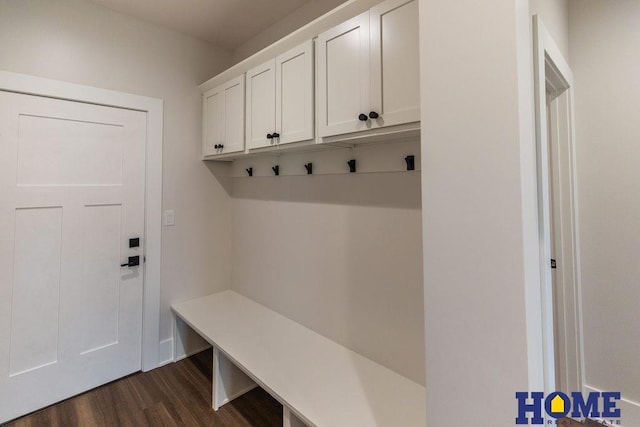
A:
(318, 381)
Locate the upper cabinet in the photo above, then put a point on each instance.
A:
(223, 118)
(279, 100)
(368, 70)
(358, 81)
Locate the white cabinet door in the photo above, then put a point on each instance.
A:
(261, 105)
(280, 99)
(233, 140)
(212, 132)
(343, 77)
(223, 115)
(395, 70)
(294, 94)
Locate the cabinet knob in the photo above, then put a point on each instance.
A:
(269, 136)
(221, 146)
(276, 135)
(216, 146)
(373, 115)
(363, 117)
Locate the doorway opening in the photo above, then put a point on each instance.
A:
(557, 217)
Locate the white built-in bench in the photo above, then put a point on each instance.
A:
(318, 382)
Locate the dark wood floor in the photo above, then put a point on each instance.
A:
(178, 394)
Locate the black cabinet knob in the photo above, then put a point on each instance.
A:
(276, 135)
(269, 136)
(373, 115)
(363, 117)
(221, 146)
(216, 146)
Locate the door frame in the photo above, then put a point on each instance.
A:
(31, 85)
(552, 70)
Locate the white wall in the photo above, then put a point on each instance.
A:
(80, 42)
(555, 15)
(338, 252)
(482, 322)
(305, 14)
(605, 46)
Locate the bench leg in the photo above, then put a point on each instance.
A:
(215, 380)
(289, 419)
(286, 416)
(174, 326)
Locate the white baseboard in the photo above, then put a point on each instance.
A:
(165, 352)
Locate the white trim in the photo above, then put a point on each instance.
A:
(154, 108)
(576, 221)
(548, 56)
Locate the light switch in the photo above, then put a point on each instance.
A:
(169, 218)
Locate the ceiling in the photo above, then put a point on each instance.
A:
(224, 23)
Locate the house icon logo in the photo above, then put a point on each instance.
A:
(557, 405)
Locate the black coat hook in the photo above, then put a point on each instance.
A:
(411, 162)
(250, 171)
(276, 170)
(309, 168)
(352, 165)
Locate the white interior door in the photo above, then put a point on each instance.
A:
(71, 197)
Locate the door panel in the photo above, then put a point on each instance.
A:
(394, 49)
(36, 291)
(294, 94)
(71, 195)
(100, 276)
(49, 150)
(343, 77)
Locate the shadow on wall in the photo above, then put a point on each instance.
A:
(391, 190)
(222, 172)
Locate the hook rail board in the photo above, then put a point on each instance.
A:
(362, 159)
